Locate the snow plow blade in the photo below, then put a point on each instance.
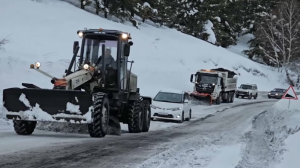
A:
(201, 98)
(47, 105)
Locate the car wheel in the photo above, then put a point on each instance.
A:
(255, 97)
(190, 116)
(236, 96)
(250, 96)
(182, 118)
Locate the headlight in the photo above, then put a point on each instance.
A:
(124, 36)
(175, 109)
(86, 66)
(269, 93)
(80, 34)
(154, 107)
(213, 84)
(37, 64)
(276, 94)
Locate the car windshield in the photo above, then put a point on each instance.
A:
(278, 90)
(246, 86)
(168, 97)
(208, 79)
(93, 50)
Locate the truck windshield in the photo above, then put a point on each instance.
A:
(246, 86)
(93, 51)
(208, 79)
(168, 97)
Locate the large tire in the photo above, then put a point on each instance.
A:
(232, 97)
(100, 116)
(135, 117)
(147, 116)
(24, 127)
(218, 100)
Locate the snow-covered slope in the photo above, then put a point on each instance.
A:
(45, 30)
(273, 141)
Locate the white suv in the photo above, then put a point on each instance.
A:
(247, 90)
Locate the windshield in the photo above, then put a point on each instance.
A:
(168, 97)
(93, 51)
(278, 90)
(246, 86)
(208, 79)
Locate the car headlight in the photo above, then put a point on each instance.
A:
(154, 107)
(175, 109)
(269, 93)
(276, 94)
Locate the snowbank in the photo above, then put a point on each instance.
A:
(272, 135)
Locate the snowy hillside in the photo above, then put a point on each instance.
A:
(163, 58)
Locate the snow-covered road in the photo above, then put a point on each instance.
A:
(203, 142)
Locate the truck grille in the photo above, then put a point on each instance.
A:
(204, 90)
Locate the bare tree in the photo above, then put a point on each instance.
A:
(3, 42)
(281, 32)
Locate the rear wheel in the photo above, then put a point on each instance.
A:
(232, 97)
(218, 100)
(135, 117)
(24, 127)
(147, 116)
(100, 116)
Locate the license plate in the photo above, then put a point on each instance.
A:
(163, 113)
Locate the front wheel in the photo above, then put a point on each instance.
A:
(255, 97)
(24, 127)
(250, 96)
(236, 96)
(190, 116)
(100, 116)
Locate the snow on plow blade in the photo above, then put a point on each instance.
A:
(47, 105)
(201, 99)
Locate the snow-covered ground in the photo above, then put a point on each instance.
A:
(273, 141)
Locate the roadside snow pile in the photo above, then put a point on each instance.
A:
(266, 142)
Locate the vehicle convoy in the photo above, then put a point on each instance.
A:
(276, 93)
(99, 90)
(171, 105)
(214, 85)
(247, 90)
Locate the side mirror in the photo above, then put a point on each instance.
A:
(126, 50)
(192, 77)
(75, 45)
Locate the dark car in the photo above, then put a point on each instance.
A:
(276, 93)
